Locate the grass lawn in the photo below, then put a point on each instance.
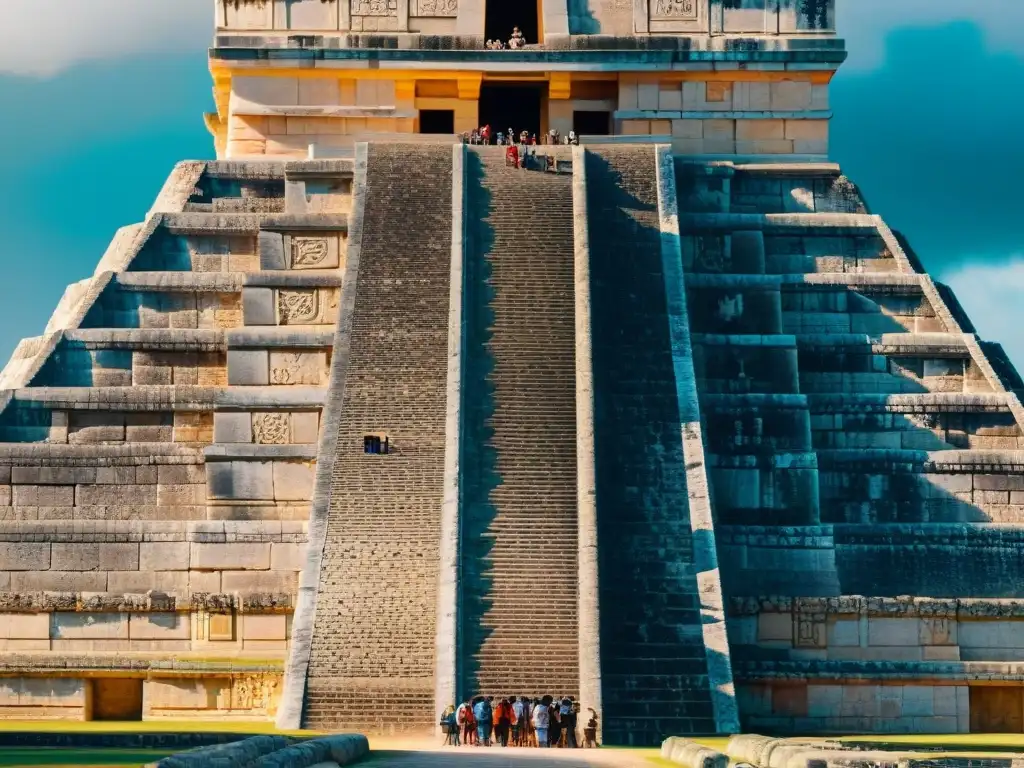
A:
(148, 726)
(122, 758)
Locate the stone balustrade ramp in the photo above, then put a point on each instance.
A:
(519, 519)
(371, 663)
(654, 665)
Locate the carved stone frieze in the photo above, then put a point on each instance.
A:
(310, 252)
(437, 8)
(270, 428)
(675, 9)
(298, 307)
(374, 7)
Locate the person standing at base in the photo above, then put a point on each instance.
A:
(541, 722)
(483, 712)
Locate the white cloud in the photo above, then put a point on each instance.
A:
(866, 23)
(991, 295)
(44, 37)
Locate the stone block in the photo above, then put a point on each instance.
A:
(187, 694)
(58, 581)
(824, 700)
(243, 480)
(757, 130)
(47, 691)
(66, 625)
(275, 582)
(24, 626)
(271, 251)
(844, 632)
(115, 495)
(232, 427)
(893, 632)
(248, 556)
(276, 91)
(775, 627)
(24, 556)
(255, 627)
(293, 481)
(258, 306)
(647, 96)
(204, 581)
(181, 495)
(140, 582)
(164, 556)
(298, 368)
(159, 626)
(791, 95)
(43, 496)
(305, 427)
(918, 701)
(95, 557)
(807, 130)
(248, 368)
(287, 557)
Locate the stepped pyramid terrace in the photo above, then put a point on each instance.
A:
(361, 421)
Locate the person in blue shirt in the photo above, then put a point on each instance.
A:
(483, 712)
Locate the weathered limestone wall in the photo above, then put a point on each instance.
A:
(159, 448)
(862, 444)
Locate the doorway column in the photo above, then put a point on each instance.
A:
(467, 110)
(559, 103)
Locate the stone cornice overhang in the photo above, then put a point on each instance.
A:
(621, 53)
(750, 670)
(106, 665)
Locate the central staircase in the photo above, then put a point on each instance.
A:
(519, 566)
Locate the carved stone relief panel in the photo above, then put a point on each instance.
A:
(270, 428)
(298, 307)
(671, 16)
(374, 7)
(314, 252)
(437, 8)
(674, 9)
(305, 368)
(809, 630)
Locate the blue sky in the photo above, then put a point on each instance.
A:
(928, 121)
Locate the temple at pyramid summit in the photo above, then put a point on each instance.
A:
(363, 420)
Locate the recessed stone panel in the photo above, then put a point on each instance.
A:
(250, 480)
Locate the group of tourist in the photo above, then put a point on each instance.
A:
(518, 722)
(483, 136)
(515, 42)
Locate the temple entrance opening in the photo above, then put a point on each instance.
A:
(592, 123)
(437, 121)
(502, 16)
(512, 105)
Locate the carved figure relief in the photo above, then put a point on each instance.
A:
(298, 307)
(374, 7)
(676, 9)
(270, 428)
(297, 368)
(437, 8)
(309, 252)
(810, 630)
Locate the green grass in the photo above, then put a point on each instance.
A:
(36, 756)
(987, 740)
(148, 726)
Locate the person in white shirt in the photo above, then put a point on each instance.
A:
(541, 723)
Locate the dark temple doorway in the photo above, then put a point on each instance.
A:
(437, 121)
(590, 123)
(502, 15)
(512, 105)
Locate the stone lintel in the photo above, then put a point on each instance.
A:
(251, 223)
(858, 605)
(278, 169)
(152, 602)
(64, 664)
(231, 451)
(169, 397)
(914, 672)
